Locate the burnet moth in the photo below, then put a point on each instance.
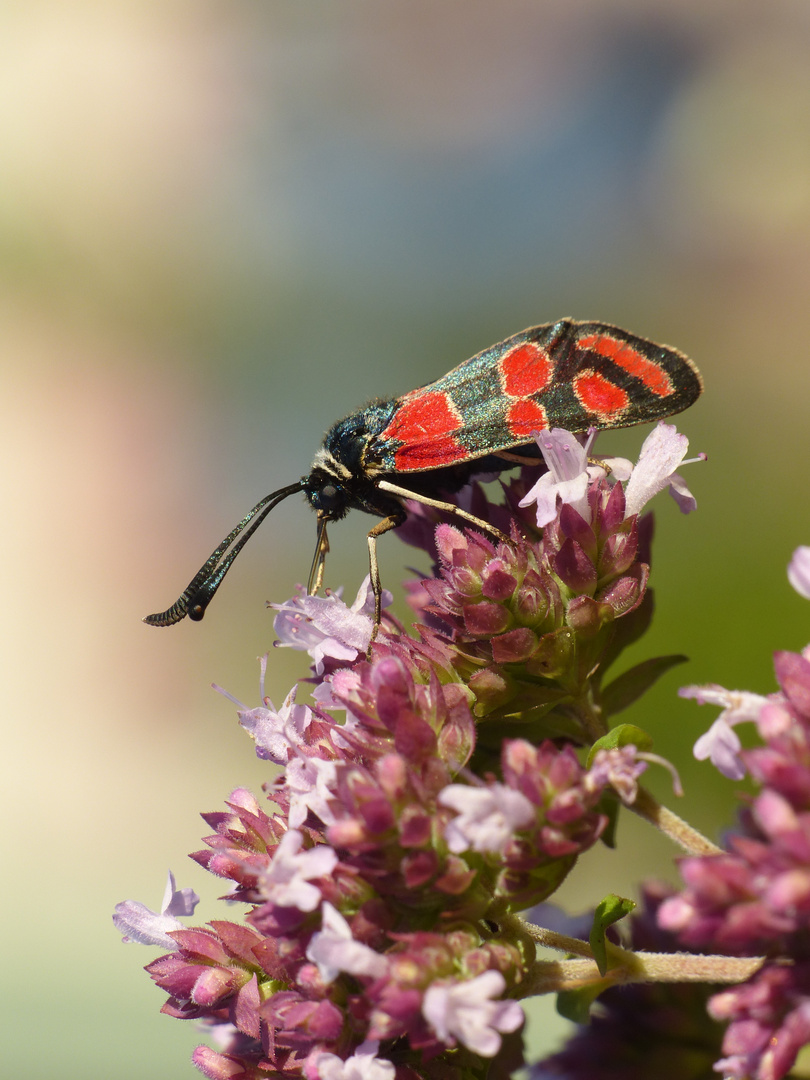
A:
(567, 374)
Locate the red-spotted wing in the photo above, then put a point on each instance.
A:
(568, 374)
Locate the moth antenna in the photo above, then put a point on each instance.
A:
(200, 591)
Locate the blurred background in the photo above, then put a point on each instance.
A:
(225, 226)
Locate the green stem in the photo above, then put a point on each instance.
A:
(626, 966)
(681, 833)
(590, 715)
(554, 976)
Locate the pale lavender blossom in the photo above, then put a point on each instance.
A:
(567, 478)
(720, 743)
(325, 627)
(620, 767)
(310, 783)
(362, 1065)
(466, 1012)
(277, 734)
(139, 924)
(798, 571)
(662, 452)
(286, 882)
(334, 950)
(488, 817)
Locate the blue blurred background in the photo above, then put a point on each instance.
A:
(224, 226)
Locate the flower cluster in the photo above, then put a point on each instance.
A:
(536, 622)
(532, 619)
(754, 898)
(376, 918)
(430, 792)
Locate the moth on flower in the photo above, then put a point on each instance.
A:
(479, 418)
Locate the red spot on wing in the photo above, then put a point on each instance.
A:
(423, 416)
(425, 424)
(598, 395)
(525, 370)
(630, 360)
(524, 417)
(431, 455)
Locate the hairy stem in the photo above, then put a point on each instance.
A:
(679, 831)
(553, 976)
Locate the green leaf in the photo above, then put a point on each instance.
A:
(576, 1004)
(630, 685)
(621, 735)
(610, 805)
(608, 911)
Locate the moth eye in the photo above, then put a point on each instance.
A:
(327, 497)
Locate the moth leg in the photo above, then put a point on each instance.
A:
(450, 508)
(517, 459)
(600, 463)
(319, 558)
(384, 526)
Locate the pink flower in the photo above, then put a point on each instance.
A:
(276, 734)
(382, 884)
(488, 817)
(619, 767)
(770, 1022)
(720, 744)
(140, 924)
(568, 476)
(310, 783)
(662, 452)
(466, 1012)
(286, 882)
(362, 1065)
(334, 950)
(325, 627)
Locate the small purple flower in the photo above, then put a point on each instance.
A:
(488, 817)
(384, 882)
(720, 743)
(362, 1065)
(568, 476)
(334, 949)
(467, 1012)
(286, 882)
(277, 734)
(310, 783)
(326, 628)
(798, 571)
(620, 768)
(140, 924)
(663, 451)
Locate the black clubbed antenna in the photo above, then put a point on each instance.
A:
(200, 590)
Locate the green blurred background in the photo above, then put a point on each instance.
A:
(223, 227)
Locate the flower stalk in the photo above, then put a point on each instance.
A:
(557, 976)
(680, 832)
